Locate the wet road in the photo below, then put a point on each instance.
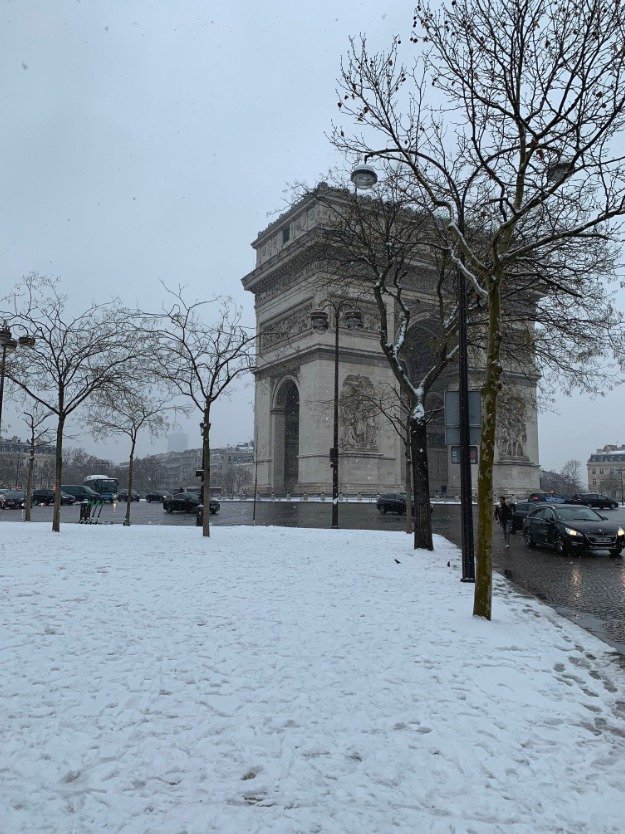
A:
(588, 589)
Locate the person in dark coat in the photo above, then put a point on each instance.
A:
(503, 513)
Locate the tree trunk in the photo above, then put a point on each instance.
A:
(58, 475)
(131, 463)
(29, 482)
(409, 527)
(482, 601)
(206, 459)
(420, 483)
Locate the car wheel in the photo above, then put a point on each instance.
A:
(169, 509)
(616, 551)
(383, 510)
(561, 546)
(529, 541)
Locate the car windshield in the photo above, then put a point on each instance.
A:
(577, 514)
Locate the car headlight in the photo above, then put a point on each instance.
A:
(620, 532)
(570, 532)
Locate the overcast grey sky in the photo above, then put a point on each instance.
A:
(147, 142)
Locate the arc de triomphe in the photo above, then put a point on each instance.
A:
(293, 420)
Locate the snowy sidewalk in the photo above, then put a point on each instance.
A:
(282, 681)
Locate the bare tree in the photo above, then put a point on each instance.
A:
(520, 143)
(612, 485)
(127, 411)
(200, 361)
(74, 356)
(35, 419)
(572, 475)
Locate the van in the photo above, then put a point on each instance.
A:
(80, 493)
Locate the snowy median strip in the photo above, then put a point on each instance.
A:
(288, 680)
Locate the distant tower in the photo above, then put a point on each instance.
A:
(178, 442)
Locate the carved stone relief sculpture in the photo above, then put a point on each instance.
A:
(287, 327)
(357, 409)
(511, 430)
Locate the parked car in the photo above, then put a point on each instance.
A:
(80, 492)
(594, 499)
(123, 495)
(181, 502)
(519, 512)
(157, 497)
(571, 528)
(14, 499)
(394, 502)
(46, 496)
(3, 492)
(199, 513)
(43, 496)
(547, 498)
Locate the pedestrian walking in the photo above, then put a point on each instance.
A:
(503, 513)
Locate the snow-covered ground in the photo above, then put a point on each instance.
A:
(280, 680)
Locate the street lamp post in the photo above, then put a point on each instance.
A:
(466, 497)
(8, 344)
(319, 320)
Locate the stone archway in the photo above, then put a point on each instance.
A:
(285, 420)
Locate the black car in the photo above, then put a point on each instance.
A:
(46, 497)
(519, 511)
(214, 507)
(14, 499)
(123, 495)
(157, 497)
(43, 496)
(571, 528)
(394, 502)
(80, 492)
(594, 499)
(181, 502)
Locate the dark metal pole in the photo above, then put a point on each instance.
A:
(335, 449)
(2, 370)
(466, 497)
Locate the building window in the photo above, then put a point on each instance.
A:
(601, 471)
(286, 234)
(594, 482)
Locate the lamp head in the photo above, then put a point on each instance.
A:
(353, 319)
(364, 177)
(319, 320)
